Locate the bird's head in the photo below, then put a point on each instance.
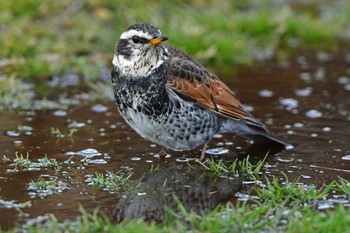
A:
(139, 50)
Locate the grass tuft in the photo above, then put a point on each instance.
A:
(46, 186)
(111, 181)
(344, 186)
(21, 163)
(244, 167)
(292, 192)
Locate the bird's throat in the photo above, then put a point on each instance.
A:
(139, 65)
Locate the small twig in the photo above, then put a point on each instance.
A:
(330, 168)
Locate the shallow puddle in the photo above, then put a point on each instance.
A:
(305, 102)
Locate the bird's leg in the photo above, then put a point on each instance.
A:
(162, 152)
(202, 158)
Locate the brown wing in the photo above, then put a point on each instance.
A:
(193, 83)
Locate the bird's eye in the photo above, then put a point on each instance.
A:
(136, 39)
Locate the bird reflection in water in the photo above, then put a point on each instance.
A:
(197, 191)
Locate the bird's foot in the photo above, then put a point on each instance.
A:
(162, 153)
(202, 158)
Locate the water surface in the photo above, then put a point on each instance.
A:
(304, 101)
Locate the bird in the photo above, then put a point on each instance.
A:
(172, 100)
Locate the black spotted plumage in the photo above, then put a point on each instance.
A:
(170, 99)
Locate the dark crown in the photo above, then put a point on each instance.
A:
(145, 28)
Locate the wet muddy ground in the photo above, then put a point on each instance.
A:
(304, 101)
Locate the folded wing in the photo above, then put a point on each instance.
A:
(193, 83)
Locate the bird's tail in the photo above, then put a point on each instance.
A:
(253, 129)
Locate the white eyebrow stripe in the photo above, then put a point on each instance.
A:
(131, 33)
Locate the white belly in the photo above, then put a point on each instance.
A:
(161, 132)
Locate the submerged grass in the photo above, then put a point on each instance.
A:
(111, 181)
(24, 163)
(45, 186)
(58, 176)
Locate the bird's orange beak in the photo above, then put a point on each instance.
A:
(158, 39)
